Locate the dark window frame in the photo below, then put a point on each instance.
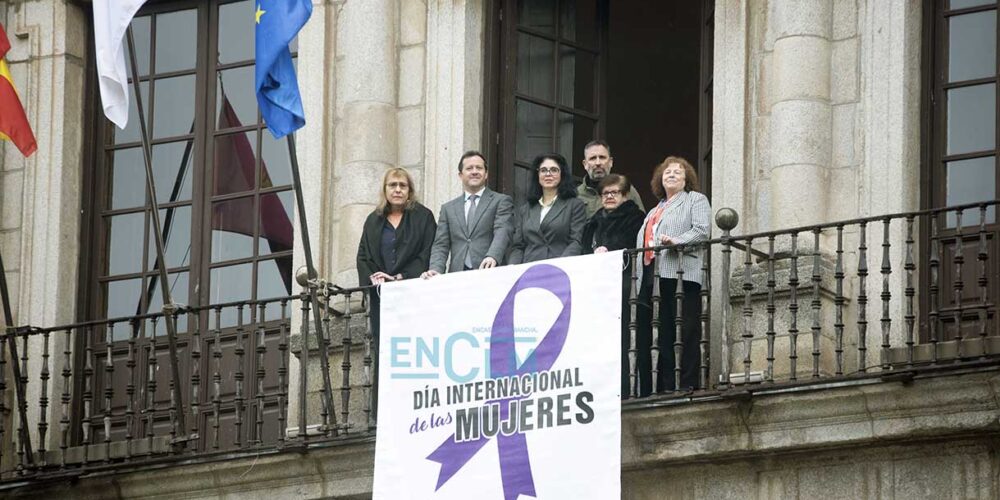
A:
(706, 96)
(500, 62)
(500, 87)
(94, 236)
(933, 174)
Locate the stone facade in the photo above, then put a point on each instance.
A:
(40, 196)
(926, 438)
(816, 119)
(822, 125)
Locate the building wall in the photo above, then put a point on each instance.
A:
(825, 91)
(933, 437)
(836, 80)
(402, 88)
(39, 218)
(817, 115)
(817, 109)
(40, 196)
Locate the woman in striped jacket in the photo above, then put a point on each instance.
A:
(682, 216)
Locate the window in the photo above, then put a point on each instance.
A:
(223, 185)
(551, 98)
(561, 73)
(961, 160)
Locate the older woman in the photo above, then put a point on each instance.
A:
(682, 216)
(551, 223)
(613, 227)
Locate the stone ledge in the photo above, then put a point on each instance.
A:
(343, 470)
(359, 334)
(778, 433)
(855, 415)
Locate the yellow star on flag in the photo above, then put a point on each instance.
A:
(260, 12)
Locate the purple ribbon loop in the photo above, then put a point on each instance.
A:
(515, 465)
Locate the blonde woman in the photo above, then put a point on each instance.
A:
(395, 242)
(396, 239)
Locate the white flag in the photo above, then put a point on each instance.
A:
(111, 19)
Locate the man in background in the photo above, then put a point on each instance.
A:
(597, 161)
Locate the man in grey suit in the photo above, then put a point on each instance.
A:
(475, 228)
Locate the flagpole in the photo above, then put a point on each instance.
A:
(161, 262)
(9, 332)
(311, 269)
(174, 194)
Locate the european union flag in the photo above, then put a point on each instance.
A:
(278, 21)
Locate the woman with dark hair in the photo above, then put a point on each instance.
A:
(551, 223)
(683, 216)
(613, 227)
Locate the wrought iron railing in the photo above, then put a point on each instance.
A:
(829, 266)
(91, 395)
(113, 406)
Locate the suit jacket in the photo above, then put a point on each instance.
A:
(486, 235)
(558, 235)
(688, 219)
(414, 237)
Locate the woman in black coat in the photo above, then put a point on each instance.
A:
(395, 242)
(397, 237)
(613, 227)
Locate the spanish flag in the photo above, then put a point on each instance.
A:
(13, 122)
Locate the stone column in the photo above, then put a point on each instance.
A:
(354, 61)
(801, 114)
(40, 212)
(366, 120)
(730, 116)
(315, 141)
(793, 142)
(454, 93)
(889, 129)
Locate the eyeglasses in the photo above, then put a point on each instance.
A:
(549, 170)
(611, 194)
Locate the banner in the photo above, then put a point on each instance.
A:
(502, 383)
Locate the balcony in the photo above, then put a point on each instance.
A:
(850, 335)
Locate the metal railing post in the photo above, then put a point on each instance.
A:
(726, 219)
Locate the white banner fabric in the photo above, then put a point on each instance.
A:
(502, 383)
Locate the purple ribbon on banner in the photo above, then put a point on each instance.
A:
(515, 466)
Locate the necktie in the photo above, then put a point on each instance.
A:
(472, 208)
(468, 222)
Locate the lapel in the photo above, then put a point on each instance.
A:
(675, 205)
(481, 205)
(460, 213)
(557, 207)
(533, 213)
(375, 241)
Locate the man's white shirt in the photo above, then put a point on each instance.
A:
(468, 204)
